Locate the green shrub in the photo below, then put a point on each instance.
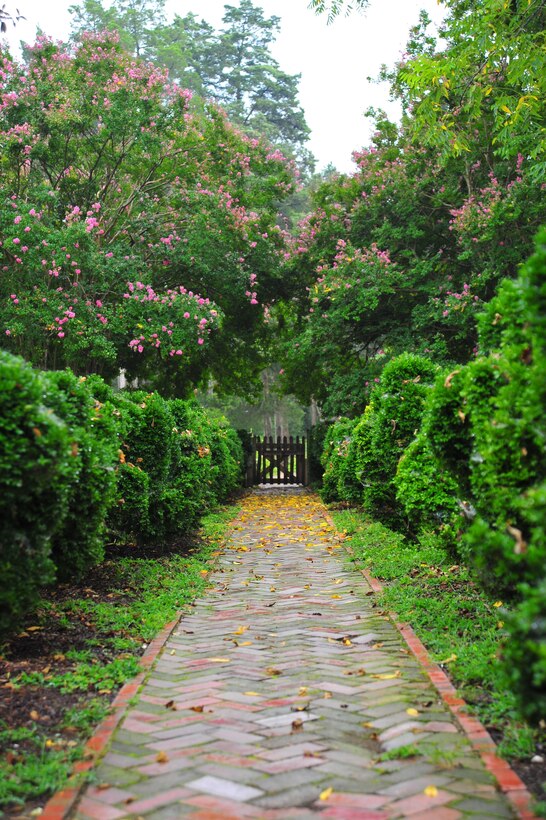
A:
(196, 474)
(524, 655)
(447, 429)
(79, 542)
(337, 472)
(76, 456)
(487, 424)
(394, 420)
(148, 455)
(129, 513)
(427, 493)
(37, 469)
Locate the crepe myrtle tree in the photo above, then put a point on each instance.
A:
(137, 231)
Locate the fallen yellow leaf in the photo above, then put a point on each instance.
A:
(387, 676)
(412, 712)
(252, 694)
(162, 757)
(219, 660)
(336, 596)
(497, 603)
(431, 791)
(451, 658)
(326, 794)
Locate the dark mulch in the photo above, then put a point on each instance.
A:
(532, 774)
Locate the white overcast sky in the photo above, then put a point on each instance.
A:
(334, 60)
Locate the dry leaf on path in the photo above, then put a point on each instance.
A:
(297, 725)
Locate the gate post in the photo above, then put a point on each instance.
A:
(251, 464)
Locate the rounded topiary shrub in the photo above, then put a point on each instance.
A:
(487, 423)
(38, 466)
(334, 460)
(446, 426)
(79, 542)
(395, 418)
(427, 493)
(148, 455)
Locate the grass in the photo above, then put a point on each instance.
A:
(461, 626)
(146, 594)
(42, 769)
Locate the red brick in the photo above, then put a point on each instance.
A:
(98, 811)
(161, 799)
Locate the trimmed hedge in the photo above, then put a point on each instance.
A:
(466, 458)
(338, 480)
(361, 455)
(37, 469)
(78, 458)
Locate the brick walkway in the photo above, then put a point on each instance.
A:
(287, 694)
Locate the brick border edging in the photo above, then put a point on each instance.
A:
(509, 782)
(62, 802)
(481, 741)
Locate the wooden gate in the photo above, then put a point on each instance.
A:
(279, 461)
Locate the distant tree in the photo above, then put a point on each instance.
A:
(134, 20)
(250, 85)
(335, 7)
(7, 17)
(233, 66)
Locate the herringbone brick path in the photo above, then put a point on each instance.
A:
(285, 694)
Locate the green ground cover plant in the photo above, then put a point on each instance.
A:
(105, 621)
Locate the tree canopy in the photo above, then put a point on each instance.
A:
(233, 66)
(403, 254)
(138, 232)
